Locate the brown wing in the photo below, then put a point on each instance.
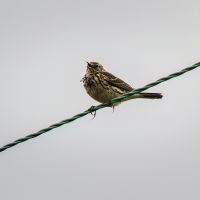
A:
(117, 82)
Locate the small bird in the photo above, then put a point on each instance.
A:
(104, 86)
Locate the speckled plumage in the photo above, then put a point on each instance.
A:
(104, 86)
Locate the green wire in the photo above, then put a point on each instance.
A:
(100, 106)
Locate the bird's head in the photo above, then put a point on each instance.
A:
(93, 67)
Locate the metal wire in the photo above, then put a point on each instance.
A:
(100, 106)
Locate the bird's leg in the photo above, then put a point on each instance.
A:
(113, 107)
(92, 111)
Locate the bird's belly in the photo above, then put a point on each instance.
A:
(102, 94)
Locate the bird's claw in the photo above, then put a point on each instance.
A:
(92, 111)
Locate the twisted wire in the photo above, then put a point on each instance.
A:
(100, 106)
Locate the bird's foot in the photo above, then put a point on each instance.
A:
(92, 111)
(112, 105)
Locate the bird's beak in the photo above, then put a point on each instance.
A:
(89, 65)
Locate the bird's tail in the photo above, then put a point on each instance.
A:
(143, 95)
(150, 95)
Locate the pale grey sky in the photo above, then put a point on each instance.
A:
(146, 149)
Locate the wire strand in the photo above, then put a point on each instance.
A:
(100, 106)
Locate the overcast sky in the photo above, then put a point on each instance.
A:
(146, 149)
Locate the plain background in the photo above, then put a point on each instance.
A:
(146, 149)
